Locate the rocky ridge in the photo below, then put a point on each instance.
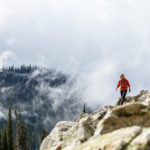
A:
(125, 127)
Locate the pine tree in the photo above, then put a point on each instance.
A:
(4, 139)
(84, 110)
(10, 130)
(44, 134)
(16, 145)
(22, 138)
(0, 141)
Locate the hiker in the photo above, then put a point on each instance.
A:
(124, 85)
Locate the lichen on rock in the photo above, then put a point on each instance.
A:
(116, 140)
(124, 116)
(54, 139)
(79, 133)
(141, 142)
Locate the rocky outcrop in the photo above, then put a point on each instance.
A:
(125, 127)
(79, 133)
(124, 116)
(141, 142)
(116, 140)
(55, 138)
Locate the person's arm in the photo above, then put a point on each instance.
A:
(128, 85)
(118, 85)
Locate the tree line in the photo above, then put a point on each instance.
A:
(25, 69)
(16, 136)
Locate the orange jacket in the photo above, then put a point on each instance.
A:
(123, 84)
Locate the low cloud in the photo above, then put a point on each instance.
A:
(6, 58)
(95, 41)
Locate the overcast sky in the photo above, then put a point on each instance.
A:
(97, 39)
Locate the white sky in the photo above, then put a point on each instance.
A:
(98, 39)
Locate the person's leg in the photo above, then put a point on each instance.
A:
(121, 92)
(124, 95)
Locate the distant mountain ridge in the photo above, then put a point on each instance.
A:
(44, 97)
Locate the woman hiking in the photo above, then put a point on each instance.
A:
(124, 85)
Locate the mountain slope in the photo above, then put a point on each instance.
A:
(125, 127)
(44, 97)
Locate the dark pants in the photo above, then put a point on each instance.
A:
(123, 95)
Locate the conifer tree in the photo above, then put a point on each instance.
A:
(4, 139)
(10, 130)
(84, 110)
(22, 138)
(16, 145)
(44, 134)
(0, 141)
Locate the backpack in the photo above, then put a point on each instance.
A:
(125, 81)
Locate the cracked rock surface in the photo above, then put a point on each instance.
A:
(125, 127)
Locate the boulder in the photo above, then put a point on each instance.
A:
(116, 140)
(79, 133)
(97, 116)
(142, 97)
(82, 115)
(124, 116)
(54, 139)
(141, 142)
